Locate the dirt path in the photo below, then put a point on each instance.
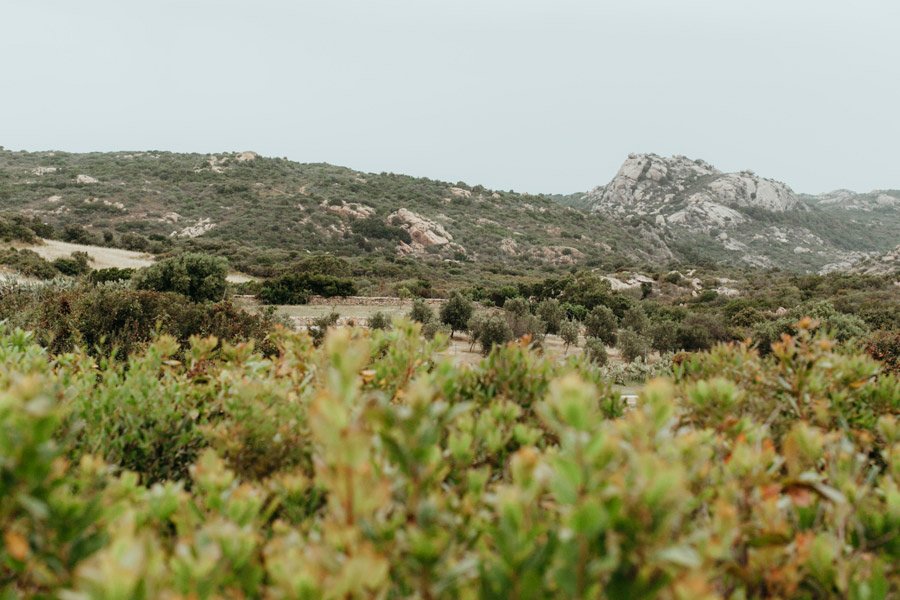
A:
(105, 258)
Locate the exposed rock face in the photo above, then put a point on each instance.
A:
(509, 246)
(693, 209)
(869, 264)
(352, 210)
(246, 156)
(557, 255)
(850, 201)
(648, 184)
(202, 226)
(644, 181)
(86, 179)
(424, 232)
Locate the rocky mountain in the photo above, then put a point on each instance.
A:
(260, 212)
(701, 212)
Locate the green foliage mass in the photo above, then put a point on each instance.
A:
(601, 323)
(456, 312)
(371, 467)
(199, 277)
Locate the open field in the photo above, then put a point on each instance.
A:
(105, 258)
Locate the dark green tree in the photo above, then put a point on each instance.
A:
(601, 323)
(456, 313)
(199, 277)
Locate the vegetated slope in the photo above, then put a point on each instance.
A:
(705, 215)
(262, 211)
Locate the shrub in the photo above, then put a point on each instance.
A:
(664, 336)
(111, 274)
(520, 320)
(104, 319)
(595, 350)
(700, 331)
(601, 323)
(77, 264)
(516, 306)
(28, 263)
(493, 331)
(296, 288)
(636, 319)
(552, 314)
(841, 326)
(568, 331)
(379, 320)
(421, 312)
(371, 467)
(456, 312)
(199, 277)
(885, 347)
(320, 326)
(432, 328)
(633, 345)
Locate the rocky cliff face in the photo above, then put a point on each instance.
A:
(700, 211)
(648, 184)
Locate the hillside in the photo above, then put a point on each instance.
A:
(703, 213)
(264, 212)
(261, 211)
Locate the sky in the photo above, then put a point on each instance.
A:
(531, 95)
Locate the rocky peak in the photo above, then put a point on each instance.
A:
(649, 184)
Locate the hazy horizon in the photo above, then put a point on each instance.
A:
(534, 96)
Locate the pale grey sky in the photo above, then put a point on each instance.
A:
(531, 95)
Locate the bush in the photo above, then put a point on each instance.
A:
(320, 326)
(700, 331)
(432, 328)
(296, 288)
(493, 331)
(520, 320)
(379, 320)
(199, 277)
(77, 264)
(456, 312)
(568, 331)
(602, 324)
(28, 263)
(840, 326)
(885, 347)
(595, 350)
(109, 275)
(636, 319)
(421, 312)
(371, 467)
(633, 345)
(552, 314)
(664, 336)
(105, 319)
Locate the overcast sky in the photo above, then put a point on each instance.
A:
(531, 95)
